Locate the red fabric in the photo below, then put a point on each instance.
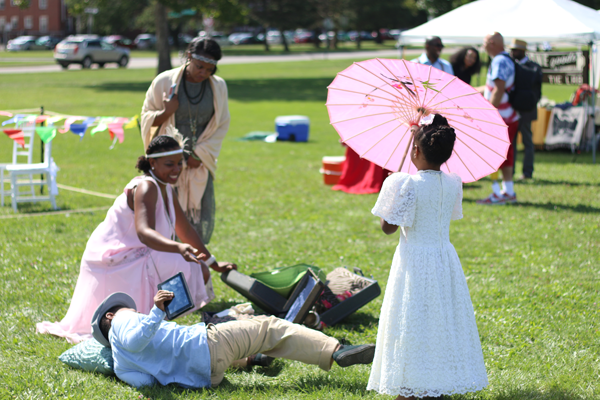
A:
(513, 128)
(360, 176)
(17, 135)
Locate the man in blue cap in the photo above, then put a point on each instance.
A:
(147, 350)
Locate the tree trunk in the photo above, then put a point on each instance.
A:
(162, 38)
(358, 41)
(317, 32)
(266, 41)
(335, 38)
(286, 48)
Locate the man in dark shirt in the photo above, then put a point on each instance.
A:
(517, 52)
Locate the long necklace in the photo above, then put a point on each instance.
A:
(195, 100)
(166, 205)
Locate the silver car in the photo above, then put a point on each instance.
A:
(87, 51)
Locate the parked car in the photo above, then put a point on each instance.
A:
(85, 51)
(341, 36)
(304, 37)
(145, 41)
(274, 37)
(45, 43)
(385, 35)
(119, 41)
(353, 35)
(219, 37)
(21, 43)
(395, 33)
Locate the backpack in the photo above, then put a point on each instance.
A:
(523, 97)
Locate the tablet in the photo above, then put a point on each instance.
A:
(182, 300)
(310, 288)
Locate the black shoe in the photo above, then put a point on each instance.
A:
(260, 360)
(348, 355)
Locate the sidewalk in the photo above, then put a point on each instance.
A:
(141, 63)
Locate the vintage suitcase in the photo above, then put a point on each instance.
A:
(272, 302)
(351, 304)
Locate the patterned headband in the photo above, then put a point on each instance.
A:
(164, 153)
(205, 59)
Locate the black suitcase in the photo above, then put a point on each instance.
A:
(272, 302)
(351, 304)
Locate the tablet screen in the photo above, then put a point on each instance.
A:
(300, 300)
(181, 300)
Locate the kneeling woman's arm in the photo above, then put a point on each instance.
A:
(145, 199)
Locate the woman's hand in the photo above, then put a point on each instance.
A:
(162, 296)
(223, 266)
(189, 253)
(193, 163)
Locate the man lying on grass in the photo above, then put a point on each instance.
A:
(147, 349)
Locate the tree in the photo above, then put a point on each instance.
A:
(113, 17)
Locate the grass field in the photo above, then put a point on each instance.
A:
(532, 268)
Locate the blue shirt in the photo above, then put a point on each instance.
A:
(440, 63)
(147, 349)
(502, 68)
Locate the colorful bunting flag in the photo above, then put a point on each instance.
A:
(79, 129)
(68, 123)
(41, 118)
(102, 125)
(133, 123)
(13, 120)
(116, 129)
(54, 119)
(6, 114)
(46, 133)
(16, 135)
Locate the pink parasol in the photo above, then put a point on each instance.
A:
(373, 103)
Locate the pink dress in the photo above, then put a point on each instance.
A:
(115, 260)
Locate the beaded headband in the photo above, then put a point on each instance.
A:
(164, 153)
(204, 59)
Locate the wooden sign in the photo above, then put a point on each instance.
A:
(563, 67)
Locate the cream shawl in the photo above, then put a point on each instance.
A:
(192, 181)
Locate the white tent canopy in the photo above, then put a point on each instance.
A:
(534, 21)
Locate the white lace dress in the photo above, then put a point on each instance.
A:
(427, 342)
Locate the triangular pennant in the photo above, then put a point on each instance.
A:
(79, 129)
(46, 133)
(13, 120)
(68, 122)
(133, 123)
(6, 113)
(54, 119)
(41, 118)
(102, 125)
(16, 135)
(116, 128)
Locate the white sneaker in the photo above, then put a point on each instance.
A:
(492, 199)
(509, 198)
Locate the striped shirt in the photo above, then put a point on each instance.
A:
(502, 68)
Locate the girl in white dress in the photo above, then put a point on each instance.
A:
(427, 343)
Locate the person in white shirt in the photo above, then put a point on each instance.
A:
(433, 49)
(147, 350)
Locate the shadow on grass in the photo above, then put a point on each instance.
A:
(528, 394)
(247, 90)
(580, 208)
(546, 182)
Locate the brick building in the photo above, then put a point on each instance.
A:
(42, 17)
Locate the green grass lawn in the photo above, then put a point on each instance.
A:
(532, 268)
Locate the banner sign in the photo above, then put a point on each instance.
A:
(566, 128)
(563, 67)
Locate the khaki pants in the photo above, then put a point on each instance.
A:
(267, 335)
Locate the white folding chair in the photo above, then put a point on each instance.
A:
(20, 155)
(47, 168)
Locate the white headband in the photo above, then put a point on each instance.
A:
(164, 153)
(205, 59)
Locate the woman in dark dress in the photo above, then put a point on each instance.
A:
(466, 63)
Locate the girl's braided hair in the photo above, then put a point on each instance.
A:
(436, 141)
(158, 144)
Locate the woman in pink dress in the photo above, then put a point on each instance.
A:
(134, 248)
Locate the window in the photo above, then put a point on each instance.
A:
(44, 23)
(14, 22)
(43, 4)
(28, 22)
(2, 23)
(2, 3)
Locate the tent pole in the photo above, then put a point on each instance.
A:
(592, 68)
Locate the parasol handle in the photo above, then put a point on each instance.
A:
(410, 140)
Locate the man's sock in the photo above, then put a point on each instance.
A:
(496, 188)
(508, 187)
